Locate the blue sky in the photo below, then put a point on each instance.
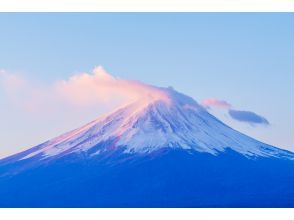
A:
(245, 59)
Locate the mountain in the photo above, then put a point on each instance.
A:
(164, 150)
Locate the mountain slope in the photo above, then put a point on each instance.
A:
(160, 151)
(148, 125)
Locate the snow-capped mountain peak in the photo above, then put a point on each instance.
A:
(162, 118)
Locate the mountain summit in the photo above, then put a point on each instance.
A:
(171, 120)
(163, 150)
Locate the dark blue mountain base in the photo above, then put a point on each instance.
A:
(166, 178)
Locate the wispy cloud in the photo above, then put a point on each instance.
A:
(248, 116)
(11, 82)
(238, 115)
(212, 102)
(81, 90)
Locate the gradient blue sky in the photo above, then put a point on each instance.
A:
(246, 59)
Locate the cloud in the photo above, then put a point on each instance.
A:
(82, 90)
(11, 82)
(248, 116)
(212, 102)
(101, 87)
(238, 115)
(95, 90)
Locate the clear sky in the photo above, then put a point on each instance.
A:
(244, 59)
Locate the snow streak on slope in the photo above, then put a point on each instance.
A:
(172, 120)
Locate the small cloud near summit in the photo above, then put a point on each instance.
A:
(212, 102)
(249, 117)
(238, 115)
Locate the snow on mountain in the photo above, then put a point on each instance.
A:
(163, 118)
(163, 150)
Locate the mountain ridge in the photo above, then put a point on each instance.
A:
(159, 151)
(150, 124)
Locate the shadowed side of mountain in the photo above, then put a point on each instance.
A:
(165, 178)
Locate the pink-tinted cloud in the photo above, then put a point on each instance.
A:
(215, 103)
(83, 90)
(239, 115)
(24, 94)
(11, 82)
(101, 87)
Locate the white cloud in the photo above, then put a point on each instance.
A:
(83, 90)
